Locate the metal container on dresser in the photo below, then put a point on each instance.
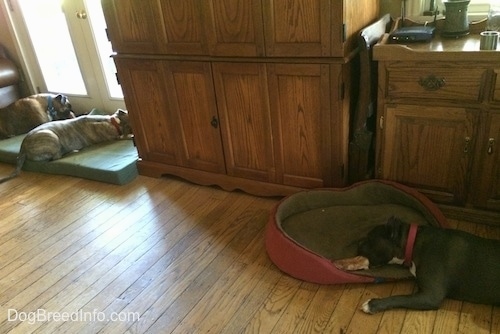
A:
(244, 94)
(439, 123)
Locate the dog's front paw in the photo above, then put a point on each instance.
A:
(366, 307)
(375, 305)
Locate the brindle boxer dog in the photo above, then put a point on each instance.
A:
(51, 141)
(27, 113)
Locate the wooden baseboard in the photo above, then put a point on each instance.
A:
(471, 215)
(226, 182)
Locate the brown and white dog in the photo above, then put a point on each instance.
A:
(27, 113)
(52, 140)
(446, 264)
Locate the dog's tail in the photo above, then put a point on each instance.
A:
(21, 158)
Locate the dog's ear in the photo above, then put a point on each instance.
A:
(61, 98)
(121, 113)
(395, 226)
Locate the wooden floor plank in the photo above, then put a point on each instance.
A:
(294, 313)
(321, 309)
(75, 253)
(88, 264)
(369, 323)
(183, 258)
(448, 317)
(187, 259)
(268, 315)
(392, 321)
(132, 242)
(208, 309)
(121, 289)
(251, 305)
(347, 306)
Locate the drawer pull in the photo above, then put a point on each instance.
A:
(431, 82)
(467, 144)
(491, 142)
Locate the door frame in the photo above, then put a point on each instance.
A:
(32, 75)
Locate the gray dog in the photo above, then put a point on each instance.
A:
(27, 113)
(50, 141)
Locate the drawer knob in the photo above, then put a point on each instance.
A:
(491, 143)
(214, 122)
(431, 82)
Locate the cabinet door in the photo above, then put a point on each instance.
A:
(132, 25)
(429, 148)
(486, 189)
(301, 121)
(297, 28)
(181, 27)
(243, 102)
(153, 26)
(173, 112)
(234, 27)
(191, 97)
(152, 119)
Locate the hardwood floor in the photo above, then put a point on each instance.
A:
(166, 256)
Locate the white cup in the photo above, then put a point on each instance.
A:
(488, 40)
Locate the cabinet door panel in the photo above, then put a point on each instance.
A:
(183, 27)
(152, 120)
(297, 28)
(429, 148)
(487, 190)
(132, 25)
(299, 102)
(245, 120)
(192, 97)
(234, 27)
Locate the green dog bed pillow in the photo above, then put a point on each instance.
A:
(111, 162)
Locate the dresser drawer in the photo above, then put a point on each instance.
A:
(435, 83)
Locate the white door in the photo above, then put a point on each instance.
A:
(66, 50)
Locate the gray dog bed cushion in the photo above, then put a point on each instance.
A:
(111, 162)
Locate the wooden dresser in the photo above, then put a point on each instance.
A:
(439, 123)
(244, 94)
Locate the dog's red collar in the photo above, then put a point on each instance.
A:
(116, 124)
(410, 242)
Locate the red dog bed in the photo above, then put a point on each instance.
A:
(308, 230)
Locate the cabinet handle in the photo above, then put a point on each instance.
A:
(467, 143)
(431, 82)
(491, 142)
(214, 122)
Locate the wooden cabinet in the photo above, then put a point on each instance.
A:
(439, 123)
(244, 94)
